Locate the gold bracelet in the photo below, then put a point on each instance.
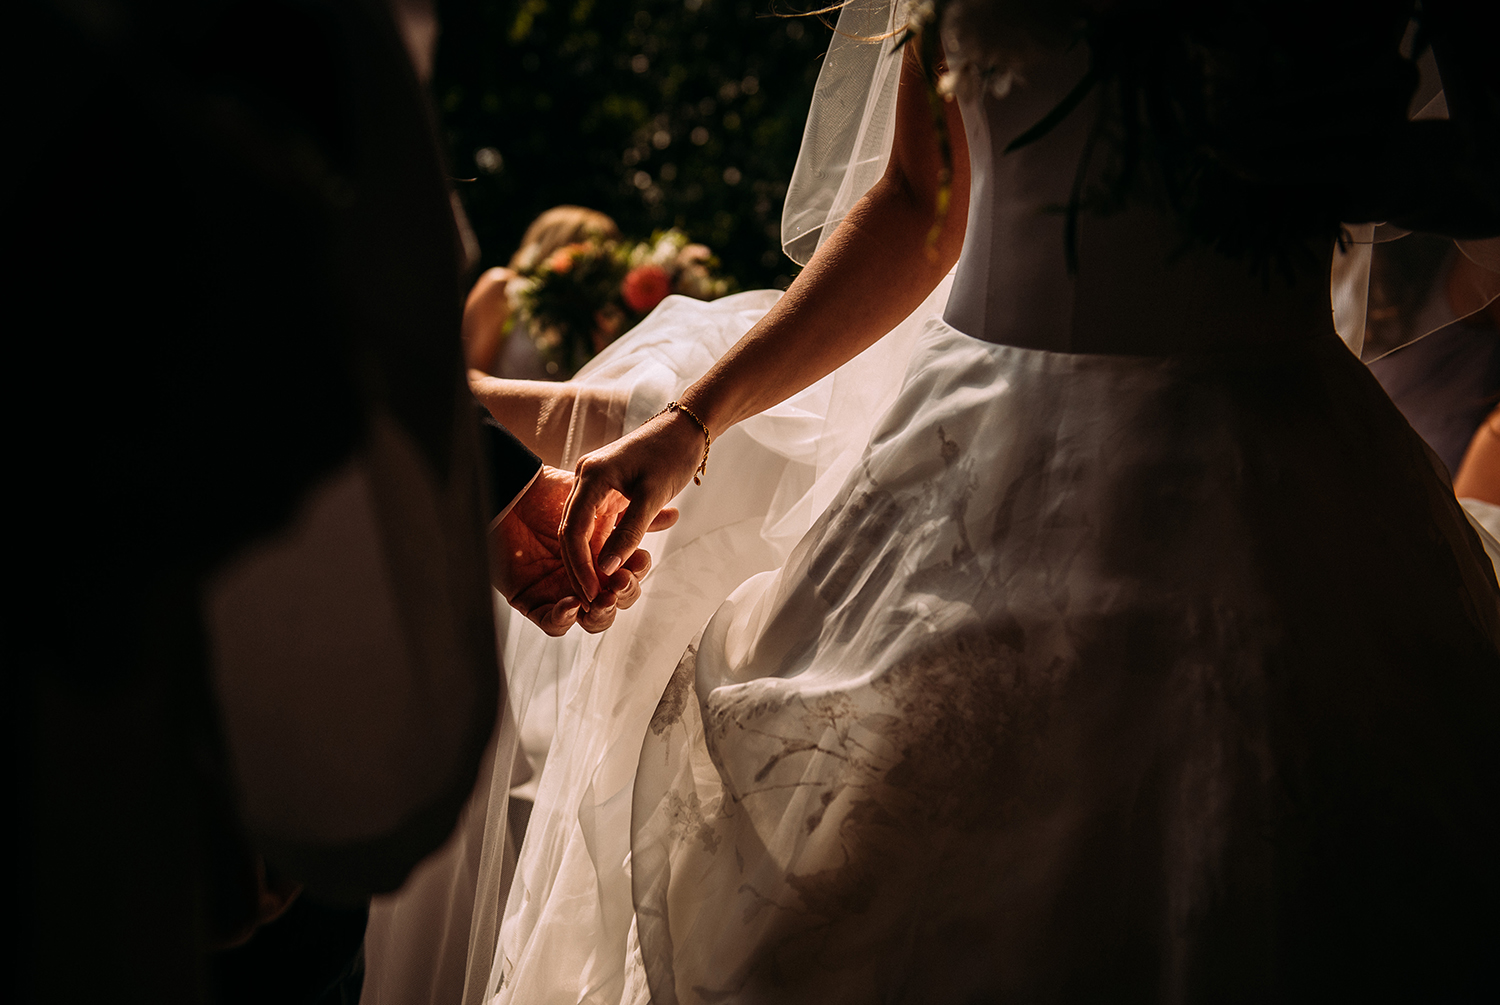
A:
(708, 439)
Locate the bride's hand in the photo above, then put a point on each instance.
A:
(644, 470)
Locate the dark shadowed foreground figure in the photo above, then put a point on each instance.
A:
(251, 625)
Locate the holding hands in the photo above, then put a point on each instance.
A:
(619, 495)
(527, 567)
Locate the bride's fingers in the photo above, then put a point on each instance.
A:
(587, 504)
(627, 535)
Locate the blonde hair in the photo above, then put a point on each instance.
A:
(558, 227)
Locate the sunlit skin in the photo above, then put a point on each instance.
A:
(1471, 288)
(485, 314)
(1478, 476)
(527, 568)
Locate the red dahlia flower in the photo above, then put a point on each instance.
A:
(645, 286)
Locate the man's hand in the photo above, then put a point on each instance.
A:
(526, 564)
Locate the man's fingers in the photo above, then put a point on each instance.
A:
(599, 616)
(639, 564)
(556, 619)
(626, 581)
(628, 594)
(625, 586)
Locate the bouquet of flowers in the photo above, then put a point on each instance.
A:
(583, 296)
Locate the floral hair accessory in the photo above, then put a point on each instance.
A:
(583, 296)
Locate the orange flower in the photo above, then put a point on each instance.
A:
(561, 260)
(645, 286)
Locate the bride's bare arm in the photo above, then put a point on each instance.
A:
(874, 271)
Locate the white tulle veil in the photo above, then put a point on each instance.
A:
(849, 128)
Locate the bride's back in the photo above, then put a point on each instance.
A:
(1177, 208)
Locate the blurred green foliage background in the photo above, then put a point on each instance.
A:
(661, 113)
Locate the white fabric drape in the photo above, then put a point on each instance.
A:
(567, 927)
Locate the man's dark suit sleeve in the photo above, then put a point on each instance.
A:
(509, 466)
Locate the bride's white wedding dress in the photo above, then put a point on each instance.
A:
(1127, 678)
(1027, 675)
(1105, 677)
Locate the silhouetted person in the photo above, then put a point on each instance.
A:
(252, 620)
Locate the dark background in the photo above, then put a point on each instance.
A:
(661, 113)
